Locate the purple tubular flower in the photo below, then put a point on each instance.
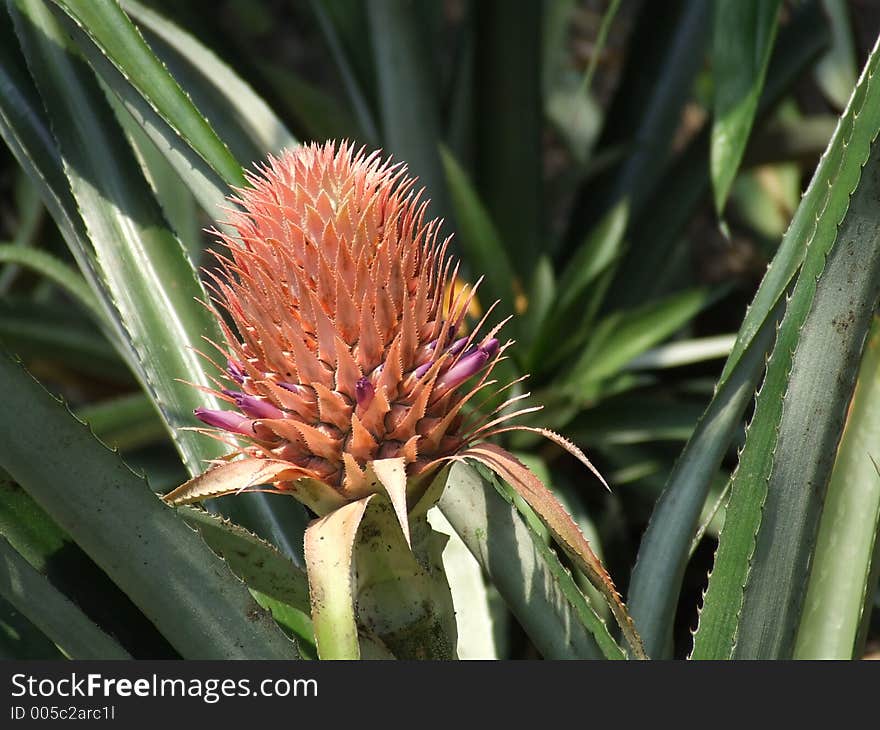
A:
(257, 407)
(364, 391)
(231, 393)
(457, 346)
(235, 371)
(227, 420)
(292, 387)
(468, 365)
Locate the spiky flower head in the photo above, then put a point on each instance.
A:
(348, 368)
(348, 344)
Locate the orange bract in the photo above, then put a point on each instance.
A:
(345, 351)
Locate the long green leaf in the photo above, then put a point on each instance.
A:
(113, 33)
(53, 554)
(240, 116)
(656, 581)
(479, 241)
(162, 564)
(410, 117)
(208, 178)
(658, 231)
(840, 577)
(144, 269)
(51, 611)
(508, 125)
(668, 45)
(55, 271)
(753, 604)
(539, 591)
(26, 131)
(742, 43)
(145, 272)
(252, 559)
(581, 288)
(624, 335)
(481, 618)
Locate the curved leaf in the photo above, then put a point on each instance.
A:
(252, 559)
(755, 595)
(664, 551)
(565, 532)
(843, 573)
(55, 271)
(240, 116)
(742, 44)
(117, 38)
(161, 563)
(144, 270)
(51, 611)
(539, 591)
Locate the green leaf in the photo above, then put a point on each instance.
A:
(118, 40)
(144, 270)
(330, 544)
(566, 534)
(49, 332)
(403, 596)
(52, 553)
(665, 547)
(508, 125)
(624, 335)
(668, 45)
(55, 271)
(836, 72)
(26, 131)
(685, 352)
(410, 116)
(297, 623)
(162, 564)
(580, 290)
(251, 558)
(125, 422)
(539, 591)
(658, 233)
(755, 596)
(481, 618)
(240, 116)
(51, 611)
(656, 583)
(153, 98)
(843, 573)
(741, 46)
(478, 240)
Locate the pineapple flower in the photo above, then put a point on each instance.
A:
(349, 370)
